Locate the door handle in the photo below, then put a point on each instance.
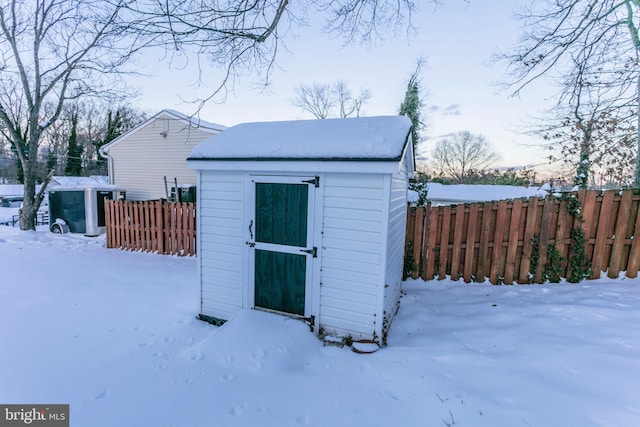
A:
(251, 230)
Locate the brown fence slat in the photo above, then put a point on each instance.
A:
(562, 233)
(444, 242)
(527, 243)
(597, 264)
(483, 247)
(547, 230)
(418, 232)
(429, 247)
(512, 243)
(192, 230)
(457, 242)
(107, 220)
(497, 258)
(634, 254)
(470, 242)
(622, 223)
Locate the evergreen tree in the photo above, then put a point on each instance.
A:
(115, 128)
(74, 150)
(413, 104)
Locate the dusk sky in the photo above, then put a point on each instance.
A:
(457, 40)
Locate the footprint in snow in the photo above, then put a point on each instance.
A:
(303, 420)
(196, 357)
(103, 394)
(238, 410)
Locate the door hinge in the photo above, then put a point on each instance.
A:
(311, 321)
(315, 181)
(313, 251)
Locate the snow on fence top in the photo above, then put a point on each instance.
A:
(361, 138)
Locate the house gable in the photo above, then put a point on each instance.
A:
(140, 160)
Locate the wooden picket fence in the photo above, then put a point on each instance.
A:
(501, 240)
(151, 226)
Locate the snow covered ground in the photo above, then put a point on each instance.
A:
(6, 214)
(114, 334)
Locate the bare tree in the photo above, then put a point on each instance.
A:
(588, 132)
(245, 36)
(330, 100)
(462, 154)
(56, 51)
(579, 43)
(52, 51)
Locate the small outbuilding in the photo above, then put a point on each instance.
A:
(305, 218)
(76, 204)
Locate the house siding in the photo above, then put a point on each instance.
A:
(141, 162)
(351, 256)
(221, 243)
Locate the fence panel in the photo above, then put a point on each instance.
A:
(151, 226)
(525, 240)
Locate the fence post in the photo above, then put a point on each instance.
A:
(107, 219)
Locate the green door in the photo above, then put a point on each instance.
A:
(281, 245)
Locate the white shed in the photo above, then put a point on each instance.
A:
(140, 159)
(305, 218)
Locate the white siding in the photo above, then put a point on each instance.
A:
(221, 243)
(351, 253)
(143, 159)
(395, 243)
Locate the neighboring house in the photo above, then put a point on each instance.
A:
(440, 194)
(305, 218)
(141, 159)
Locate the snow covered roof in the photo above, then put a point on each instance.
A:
(381, 138)
(80, 182)
(11, 190)
(440, 194)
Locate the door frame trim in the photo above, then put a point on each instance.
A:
(312, 284)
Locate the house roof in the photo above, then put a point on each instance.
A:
(195, 122)
(381, 138)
